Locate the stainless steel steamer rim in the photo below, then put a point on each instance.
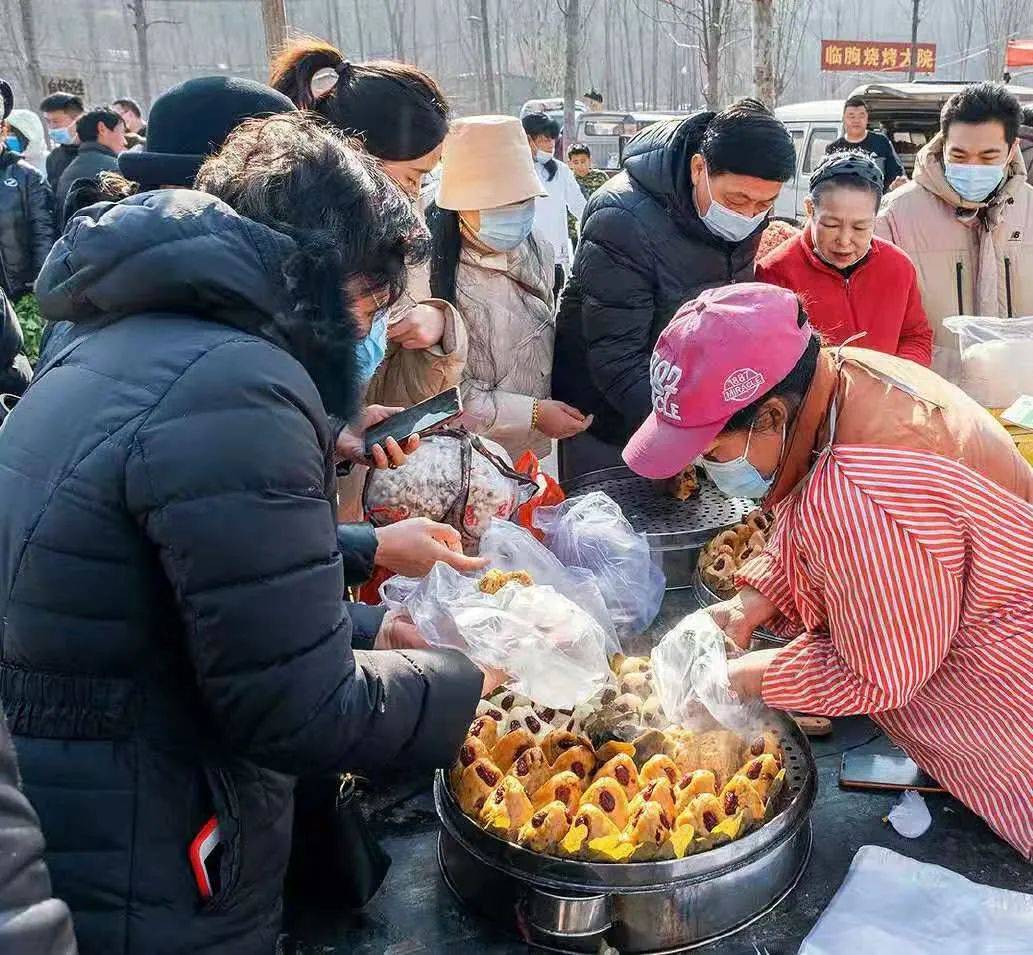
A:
(555, 872)
(640, 907)
(540, 943)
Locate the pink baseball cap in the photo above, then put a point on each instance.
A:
(720, 352)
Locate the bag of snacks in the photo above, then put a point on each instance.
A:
(453, 477)
(592, 532)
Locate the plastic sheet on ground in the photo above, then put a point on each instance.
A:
(890, 903)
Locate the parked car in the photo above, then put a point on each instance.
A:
(909, 113)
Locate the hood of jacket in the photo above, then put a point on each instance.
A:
(658, 160)
(929, 174)
(31, 127)
(180, 251)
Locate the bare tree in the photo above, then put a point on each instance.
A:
(274, 19)
(964, 23)
(1002, 21)
(395, 10)
(763, 46)
(141, 27)
(709, 23)
(34, 75)
(792, 18)
(571, 11)
(489, 73)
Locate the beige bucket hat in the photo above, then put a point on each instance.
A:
(486, 163)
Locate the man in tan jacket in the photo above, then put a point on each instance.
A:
(966, 218)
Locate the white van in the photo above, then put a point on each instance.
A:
(909, 113)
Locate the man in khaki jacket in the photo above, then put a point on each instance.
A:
(966, 218)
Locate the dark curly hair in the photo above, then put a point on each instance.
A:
(302, 177)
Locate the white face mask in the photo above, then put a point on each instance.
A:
(726, 223)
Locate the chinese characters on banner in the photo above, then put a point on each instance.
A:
(874, 56)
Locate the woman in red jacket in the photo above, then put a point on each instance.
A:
(850, 281)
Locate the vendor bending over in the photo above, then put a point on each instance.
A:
(903, 549)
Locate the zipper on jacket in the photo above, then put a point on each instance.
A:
(1007, 285)
(961, 303)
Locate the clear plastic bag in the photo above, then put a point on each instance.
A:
(554, 652)
(452, 477)
(591, 532)
(509, 547)
(996, 357)
(690, 673)
(890, 903)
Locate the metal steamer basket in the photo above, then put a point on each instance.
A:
(676, 530)
(565, 905)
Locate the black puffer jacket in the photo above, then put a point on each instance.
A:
(15, 370)
(26, 224)
(174, 643)
(643, 252)
(31, 921)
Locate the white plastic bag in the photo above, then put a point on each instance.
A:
(591, 532)
(690, 671)
(910, 815)
(890, 903)
(996, 357)
(554, 651)
(510, 547)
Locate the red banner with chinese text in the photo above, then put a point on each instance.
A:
(875, 56)
(1019, 53)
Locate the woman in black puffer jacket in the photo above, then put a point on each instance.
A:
(174, 643)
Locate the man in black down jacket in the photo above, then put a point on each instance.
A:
(26, 217)
(685, 213)
(174, 642)
(15, 370)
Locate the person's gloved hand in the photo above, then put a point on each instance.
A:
(351, 443)
(413, 546)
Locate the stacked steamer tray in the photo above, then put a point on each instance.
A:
(607, 824)
(723, 555)
(676, 529)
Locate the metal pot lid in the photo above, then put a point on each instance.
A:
(668, 524)
(588, 877)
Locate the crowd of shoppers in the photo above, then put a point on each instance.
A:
(237, 286)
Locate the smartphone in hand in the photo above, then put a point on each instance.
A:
(419, 419)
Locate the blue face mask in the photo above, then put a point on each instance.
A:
(504, 229)
(727, 224)
(973, 183)
(738, 477)
(13, 143)
(62, 136)
(541, 156)
(370, 351)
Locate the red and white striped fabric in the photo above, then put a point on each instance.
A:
(910, 579)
